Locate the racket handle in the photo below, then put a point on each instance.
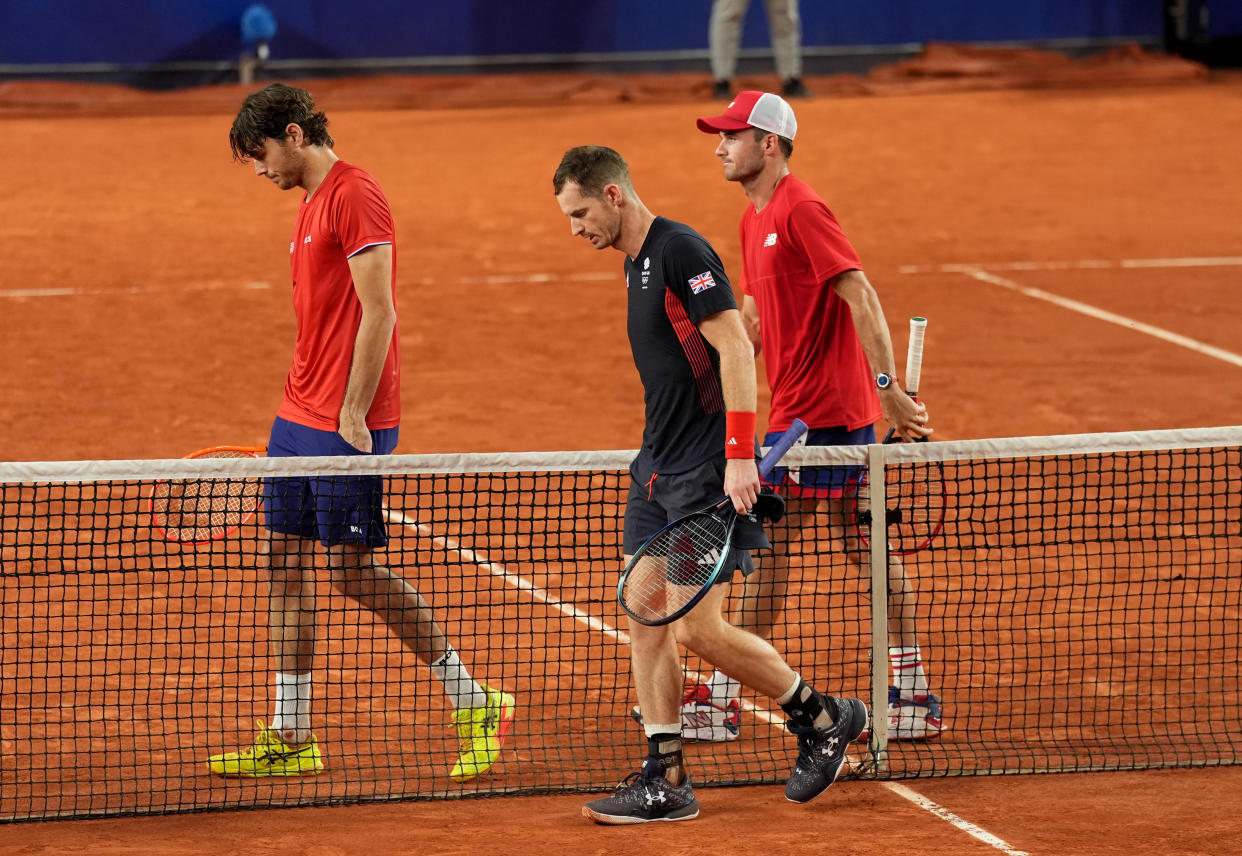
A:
(783, 444)
(914, 356)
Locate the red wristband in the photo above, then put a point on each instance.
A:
(739, 434)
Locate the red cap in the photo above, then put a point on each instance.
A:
(753, 109)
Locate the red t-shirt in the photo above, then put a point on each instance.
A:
(815, 365)
(347, 214)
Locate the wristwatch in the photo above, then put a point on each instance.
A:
(884, 380)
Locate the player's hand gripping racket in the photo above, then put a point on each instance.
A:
(916, 491)
(678, 565)
(199, 510)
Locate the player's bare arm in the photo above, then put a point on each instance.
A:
(372, 274)
(907, 416)
(727, 334)
(750, 319)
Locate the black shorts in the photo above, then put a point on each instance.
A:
(657, 500)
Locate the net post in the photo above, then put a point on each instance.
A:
(878, 537)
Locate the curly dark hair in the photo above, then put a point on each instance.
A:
(592, 168)
(265, 115)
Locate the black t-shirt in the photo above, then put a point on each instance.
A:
(675, 282)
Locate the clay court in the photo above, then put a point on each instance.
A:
(1073, 236)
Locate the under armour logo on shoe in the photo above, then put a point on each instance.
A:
(830, 745)
(654, 797)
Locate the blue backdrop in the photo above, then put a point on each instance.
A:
(150, 31)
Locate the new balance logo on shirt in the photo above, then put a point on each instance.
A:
(770, 240)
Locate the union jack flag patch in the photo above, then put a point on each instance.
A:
(702, 282)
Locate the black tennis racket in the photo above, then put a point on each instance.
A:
(678, 565)
(916, 490)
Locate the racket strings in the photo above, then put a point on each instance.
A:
(918, 495)
(915, 507)
(203, 509)
(670, 570)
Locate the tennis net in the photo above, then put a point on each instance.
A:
(1079, 608)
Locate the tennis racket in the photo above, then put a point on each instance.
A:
(199, 510)
(916, 492)
(678, 565)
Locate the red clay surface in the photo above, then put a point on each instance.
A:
(144, 312)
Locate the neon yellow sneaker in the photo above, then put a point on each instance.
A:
(481, 731)
(269, 756)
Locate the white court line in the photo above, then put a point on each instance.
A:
(518, 582)
(1111, 317)
(953, 820)
(68, 291)
(543, 596)
(180, 288)
(1080, 264)
(603, 276)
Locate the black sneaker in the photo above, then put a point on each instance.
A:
(821, 754)
(645, 796)
(793, 87)
(720, 89)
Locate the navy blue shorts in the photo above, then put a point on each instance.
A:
(334, 509)
(822, 482)
(655, 501)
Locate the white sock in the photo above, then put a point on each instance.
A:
(652, 730)
(908, 674)
(724, 688)
(787, 696)
(461, 689)
(292, 717)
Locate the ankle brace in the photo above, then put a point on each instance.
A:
(806, 706)
(665, 749)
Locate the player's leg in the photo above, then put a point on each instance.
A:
(761, 597)
(824, 725)
(351, 523)
(292, 626)
(357, 574)
(661, 789)
(761, 600)
(914, 711)
(744, 656)
(287, 747)
(482, 716)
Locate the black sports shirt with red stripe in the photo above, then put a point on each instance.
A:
(674, 282)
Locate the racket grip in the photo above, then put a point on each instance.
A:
(914, 356)
(783, 444)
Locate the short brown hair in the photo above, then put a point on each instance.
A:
(265, 115)
(592, 168)
(785, 143)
